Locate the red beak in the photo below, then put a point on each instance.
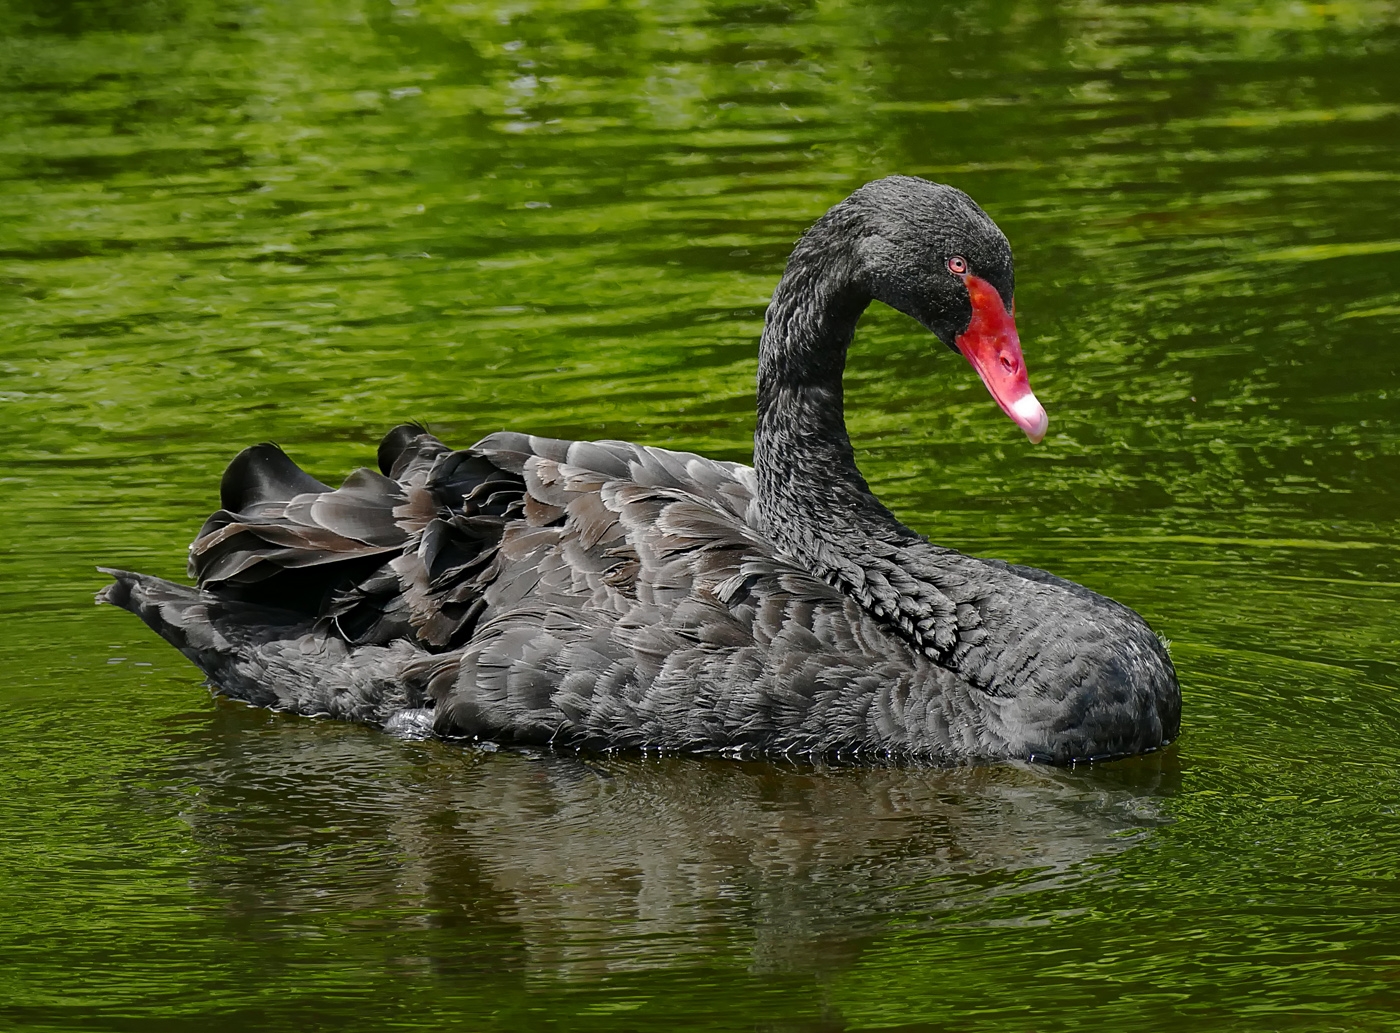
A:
(992, 345)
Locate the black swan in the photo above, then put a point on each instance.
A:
(601, 594)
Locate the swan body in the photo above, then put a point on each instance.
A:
(602, 594)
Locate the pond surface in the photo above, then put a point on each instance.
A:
(226, 222)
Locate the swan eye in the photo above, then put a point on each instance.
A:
(957, 265)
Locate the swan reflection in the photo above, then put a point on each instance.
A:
(597, 863)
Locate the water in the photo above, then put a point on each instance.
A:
(223, 222)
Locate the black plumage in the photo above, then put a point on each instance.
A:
(611, 595)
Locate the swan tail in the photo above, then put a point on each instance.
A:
(279, 659)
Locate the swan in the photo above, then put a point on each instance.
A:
(609, 595)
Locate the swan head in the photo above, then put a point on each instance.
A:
(929, 251)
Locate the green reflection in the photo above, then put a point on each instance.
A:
(306, 222)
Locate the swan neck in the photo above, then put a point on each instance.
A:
(811, 493)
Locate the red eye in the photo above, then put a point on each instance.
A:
(957, 265)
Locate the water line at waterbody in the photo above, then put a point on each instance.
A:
(304, 223)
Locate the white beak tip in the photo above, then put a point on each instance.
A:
(1031, 417)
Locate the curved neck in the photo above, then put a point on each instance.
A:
(809, 489)
(816, 507)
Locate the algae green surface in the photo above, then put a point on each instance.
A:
(223, 223)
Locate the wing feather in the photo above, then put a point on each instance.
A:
(577, 592)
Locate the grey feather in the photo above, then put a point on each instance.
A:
(601, 594)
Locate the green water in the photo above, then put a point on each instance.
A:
(229, 222)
